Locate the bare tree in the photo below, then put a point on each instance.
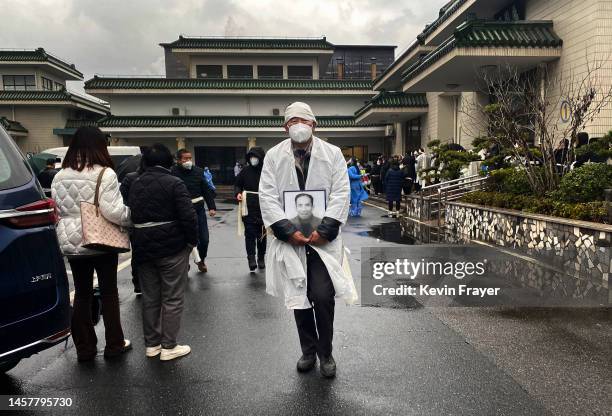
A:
(523, 116)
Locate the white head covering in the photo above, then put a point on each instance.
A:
(301, 110)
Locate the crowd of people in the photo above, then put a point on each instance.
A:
(389, 176)
(163, 205)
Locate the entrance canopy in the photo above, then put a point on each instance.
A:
(392, 107)
(477, 46)
(229, 126)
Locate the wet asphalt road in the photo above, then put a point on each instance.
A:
(245, 346)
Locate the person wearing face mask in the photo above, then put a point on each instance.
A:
(200, 192)
(254, 235)
(308, 272)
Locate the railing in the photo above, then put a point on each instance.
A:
(431, 198)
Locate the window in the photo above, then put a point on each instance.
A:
(299, 72)
(59, 87)
(239, 71)
(19, 82)
(270, 72)
(209, 71)
(14, 170)
(47, 84)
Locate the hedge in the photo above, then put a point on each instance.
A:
(589, 211)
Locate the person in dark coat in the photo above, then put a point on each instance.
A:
(409, 171)
(386, 164)
(124, 188)
(394, 180)
(194, 179)
(165, 231)
(254, 232)
(375, 175)
(45, 177)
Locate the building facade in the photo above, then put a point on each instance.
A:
(471, 36)
(221, 96)
(35, 107)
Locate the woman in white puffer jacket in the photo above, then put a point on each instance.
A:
(76, 183)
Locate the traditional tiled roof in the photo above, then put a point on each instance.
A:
(248, 43)
(37, 55)
(479, 33)
(445, 12)
(97, 83)
(61, 96)
(34, 95)
(75, 124)
(218, 121)
(12, 125)
(386, 99)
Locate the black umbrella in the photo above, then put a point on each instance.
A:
(129, 165)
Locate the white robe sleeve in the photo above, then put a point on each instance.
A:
(269, 195)
(340, 195)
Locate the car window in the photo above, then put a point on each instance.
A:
(14, 170)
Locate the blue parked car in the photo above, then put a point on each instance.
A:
(34, 295)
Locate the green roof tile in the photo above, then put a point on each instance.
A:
(37, 55)
(479, 33)
(386, 99)
(34, 96)
(248, 43)
(224, 84)
(218, 121)
(12, 125)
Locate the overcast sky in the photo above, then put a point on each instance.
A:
(121, 37)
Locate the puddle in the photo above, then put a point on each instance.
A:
(390, 232)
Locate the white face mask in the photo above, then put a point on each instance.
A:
(188, 165)
(254, 161)
(300, 133)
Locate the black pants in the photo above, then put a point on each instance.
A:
(253, 234)
(316, 325)
(377, 184)
(397, 205)
(83, 332)
(203, 237)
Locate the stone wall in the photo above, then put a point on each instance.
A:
(581, 249)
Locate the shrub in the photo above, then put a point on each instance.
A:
(590, 211)
(510, 180)
(585, 184)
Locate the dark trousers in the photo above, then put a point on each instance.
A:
(202, 230)
(163, 293)
(397, 205)
(254, 237)
(83, 332)
(377, 184)
(316, 325)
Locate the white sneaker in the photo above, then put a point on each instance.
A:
(153, 351)
(171, 354)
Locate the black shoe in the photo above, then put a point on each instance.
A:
(127, 346)
(252, 263)
(328, 367)
(261, 263)
(306, 363)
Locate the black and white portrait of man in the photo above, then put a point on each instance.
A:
(305, 209)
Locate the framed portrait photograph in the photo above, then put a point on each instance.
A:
(305, 209)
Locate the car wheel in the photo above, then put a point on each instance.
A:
(8, 365)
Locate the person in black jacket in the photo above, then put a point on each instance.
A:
(165, 231)
(409, 171)
(254, 233)
(126, 183)
(394, 180)
(46, 177)
(199, 190)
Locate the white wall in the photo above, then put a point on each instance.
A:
(231, 105)
(29, 70)
(586, 29)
